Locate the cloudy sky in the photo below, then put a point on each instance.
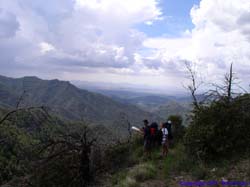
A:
(138, 42)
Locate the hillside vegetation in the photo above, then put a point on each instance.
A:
(214, 151)
(178, 169)
(38, 148)
(68, 102)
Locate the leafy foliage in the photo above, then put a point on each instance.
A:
(17, 150)
(42, 150)
(178, 128)
(220, 129)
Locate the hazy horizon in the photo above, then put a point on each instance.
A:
(143, 43)
(98, 86)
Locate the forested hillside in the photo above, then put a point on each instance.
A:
(39, 148)
(67, 101)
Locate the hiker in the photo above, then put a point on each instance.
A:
(164, 142)
(153, 133)
(159, 135)
(170, 135)
(147, 138)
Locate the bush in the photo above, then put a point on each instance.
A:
(138, 173)
(178, 161)
(220, 130)
(118, 156)
(143, 172)
(177, 127)
(129, 182)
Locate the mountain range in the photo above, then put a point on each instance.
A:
(69, 102)
(159, 104)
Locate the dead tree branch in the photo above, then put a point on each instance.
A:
(7, 115)
(193, 87)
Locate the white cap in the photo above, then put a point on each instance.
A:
(169, 121)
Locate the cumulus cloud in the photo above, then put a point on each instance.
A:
(123, 12)
(100, 38)
(220, 37)
(46, 47)
(77, 32)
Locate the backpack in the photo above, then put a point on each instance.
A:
(169, 127)
(159, 136)
(153, 129)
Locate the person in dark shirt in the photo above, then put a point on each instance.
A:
(147, 138)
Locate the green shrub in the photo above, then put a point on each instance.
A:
(117, 157)
(200, 172)
(178, 161)
(143, 172)
(138, 173)
(128, 182)
(220, 130)
(178, 129)
(118, 177)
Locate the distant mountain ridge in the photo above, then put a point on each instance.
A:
(67, 101)
(159, 104)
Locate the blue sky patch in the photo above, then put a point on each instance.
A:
(176, 20)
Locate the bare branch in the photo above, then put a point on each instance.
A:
(229, 80)
(6, 116)
(226, 90)
(193, 86)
